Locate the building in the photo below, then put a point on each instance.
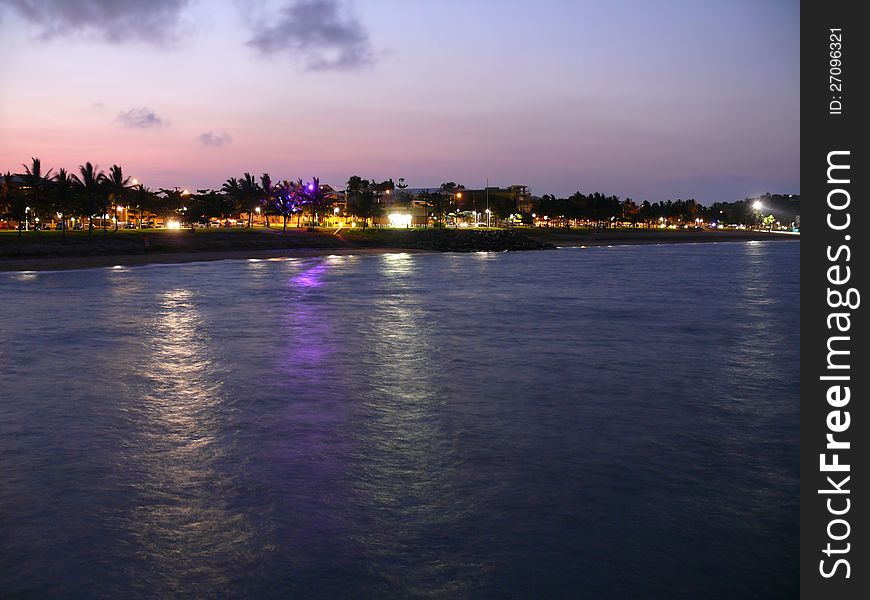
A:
(502, 201)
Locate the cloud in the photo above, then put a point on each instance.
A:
(317, 35)
(150, 21)
(211, 139)
(139, 118)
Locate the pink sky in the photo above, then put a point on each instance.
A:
(647, 100)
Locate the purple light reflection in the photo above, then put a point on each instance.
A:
(310, 278)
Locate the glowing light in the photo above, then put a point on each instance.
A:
(173, 224)
(135, 181)
(310, 187)
(757, 205)
(400, 219)
(335, 210)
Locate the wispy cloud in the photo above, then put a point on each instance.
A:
(150, 21)
(212, 139)
(139, 118)
(317, 34)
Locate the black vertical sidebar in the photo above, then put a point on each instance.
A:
(834, 219)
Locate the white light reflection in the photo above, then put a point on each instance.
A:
(408, 457)
(181, 526)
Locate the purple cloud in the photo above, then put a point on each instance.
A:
(139, 118)
(212, 139)
(115, 21)
(315, 33)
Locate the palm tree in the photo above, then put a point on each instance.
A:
(287, 198)
(9, 196)
(316, 199)
(35, 185)
(250, 194)
(268, 191)
(91, 196)
(231, 188)
(145, 200)
(117, 188)
(63, 193)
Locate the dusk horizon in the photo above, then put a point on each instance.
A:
(669, 104)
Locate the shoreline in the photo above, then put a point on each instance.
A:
(73, 263)
(557, 238)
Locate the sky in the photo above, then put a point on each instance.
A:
(647, 100)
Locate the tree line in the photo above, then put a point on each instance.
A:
(601, 210)
(94, 195)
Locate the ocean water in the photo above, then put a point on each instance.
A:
(581, 423)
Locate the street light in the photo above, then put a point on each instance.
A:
(488, 213)
(758, 206)
(26, 219)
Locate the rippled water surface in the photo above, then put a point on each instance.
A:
(594, 423)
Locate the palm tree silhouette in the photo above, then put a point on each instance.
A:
(145, 200)
(35, 185)
(316, 199)
(231, 189)
(9, 196)
(117, 188)
(269, 191)
(91, 197)
(63, 193)
(250, 194)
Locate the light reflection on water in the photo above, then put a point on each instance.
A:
(620, 421)
(181, 496)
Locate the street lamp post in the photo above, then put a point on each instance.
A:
(758, 206)
(488, 214)
(26, 218)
